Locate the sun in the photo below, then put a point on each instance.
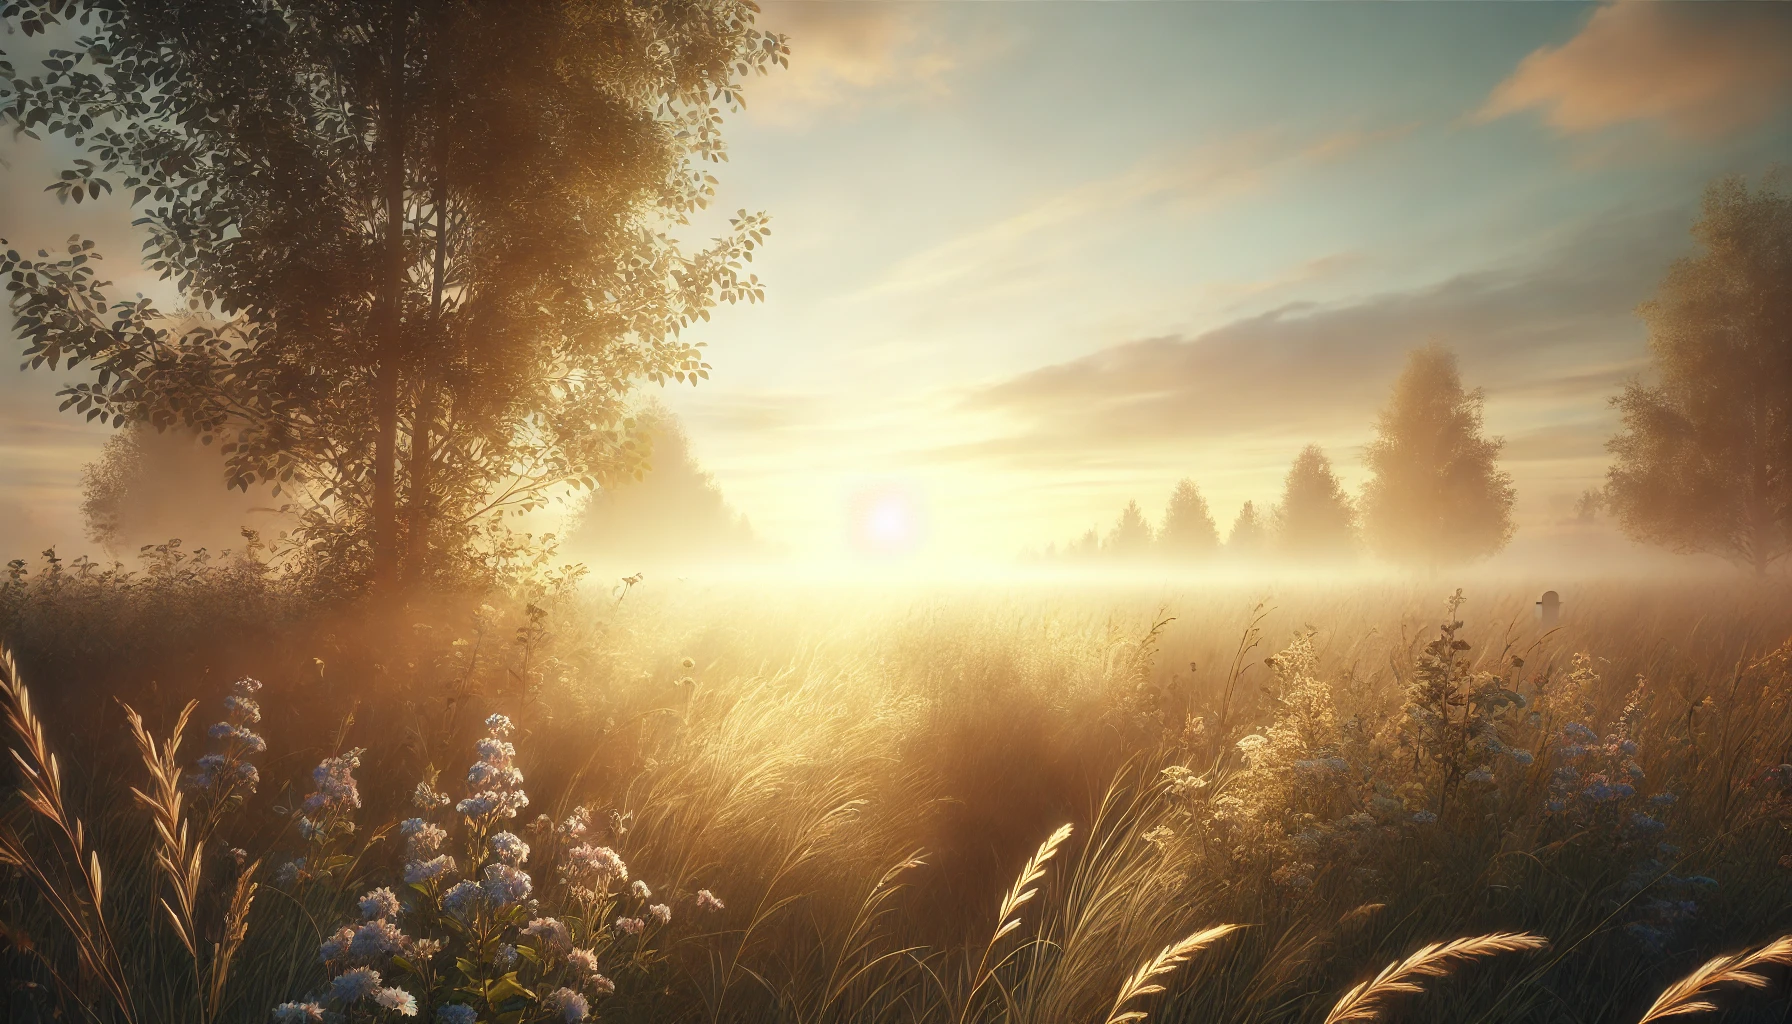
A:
(885, 521)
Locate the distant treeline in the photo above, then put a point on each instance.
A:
(1436, 494)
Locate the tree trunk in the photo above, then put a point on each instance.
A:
(385, 454)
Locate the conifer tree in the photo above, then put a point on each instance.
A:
(1188, 530)
(1436, 494)
(1315, 520)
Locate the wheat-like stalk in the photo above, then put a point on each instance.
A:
(1687, 994)
(1172, 957)
(1008, 916)
(236, 928)
(40, 786)
(1025, 887)
(1367, 1000)
(176, 857)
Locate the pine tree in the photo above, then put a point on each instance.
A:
(1315, 520)
(1437, 494)
(1248, 535)
(1131, 535)
(1188, 530)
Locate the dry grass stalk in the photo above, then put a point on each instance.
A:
(79, 907)
(176, 857)
(1172, 957)
(236, 928)
(1008, 916)
(1367, 1000)
(1688, 994)
(1025, 887)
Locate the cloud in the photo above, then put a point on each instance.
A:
(844, 56)
(1186, 181)
(1701, 70)
(1556, 331)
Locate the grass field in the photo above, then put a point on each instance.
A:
(837, 801)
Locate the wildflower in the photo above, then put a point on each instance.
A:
(242, 736)
(549, 933)
(424, 950)
(641, 891)
(505, 885)
(570, 1005)
(509, 849)
(379, 904)
(706, 900)
(1663, 799)
(1251, 744)
(336, 788)
(247, 687)
(496, 781)
(291, 871)
(354, 985)
(595, 868)
(506, 958)
(463, 901)
(420, 838)
(576, 824)
(1522, 757)
(582, 961)
(428, 870)
(397, 999)
(243, 709)
(299, 1013)
(1481, 774)
(661, 913)
(426, 798)
(602, 985)
(336, 946)
(456, 1013)
(376, 939)
(630, 925)
(1424, 817)
(1645, 825)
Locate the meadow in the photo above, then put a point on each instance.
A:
(1000, 803)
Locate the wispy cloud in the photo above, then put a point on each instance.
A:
(1557, 329)
(1700, 70)
(846, 56)
(1180, 183)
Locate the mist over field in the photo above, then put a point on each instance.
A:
(881, 513)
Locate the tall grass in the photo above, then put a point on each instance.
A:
(860, 780)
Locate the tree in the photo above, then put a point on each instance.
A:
(674, 514)
(1700, 464)
(1247, 536)
(1131, 535)
(149, 487)
(1315, 520)
(1436, 494)
(423, 247)
(1188, 530)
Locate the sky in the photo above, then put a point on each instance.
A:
(1031, 261)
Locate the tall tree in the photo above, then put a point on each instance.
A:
(1188, 530)
(1131, 535)
(675, 514)
(1248, 535)
(1436, 494)
(423, 245)
(1315, 520)
(1701, 463)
